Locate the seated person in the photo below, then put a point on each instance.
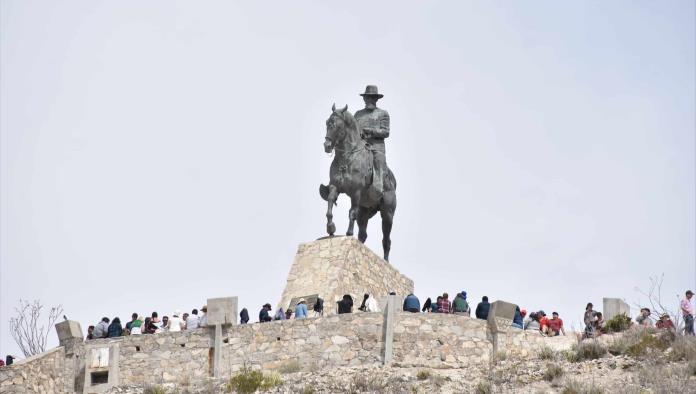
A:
(460, 306)
(346, 304)
(644, 318)
(533, 322)
(411, 304)
(555, 325)
(665, 322)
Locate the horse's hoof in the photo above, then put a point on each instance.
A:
(331, 228)
(349, 233)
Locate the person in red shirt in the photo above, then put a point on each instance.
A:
(543, 322)
(665, 323)
(555, 325)
(444, 305)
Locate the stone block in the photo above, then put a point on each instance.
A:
(222, 311)
(613, 307)
(68, 329)
(500, 316)
(332, 267)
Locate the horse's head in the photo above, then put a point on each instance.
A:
(336, 127)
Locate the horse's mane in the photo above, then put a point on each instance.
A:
(350, 121)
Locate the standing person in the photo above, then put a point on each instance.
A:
(264, 315)
(588, 319)
(411, 304)
(102, 328)
(688, 312)
(192, 321)
(244, 316)
(115, 329)
(374, 124)
(482, 308)
(175, 324)
(134, 317)
(301, 309)
(555, 325)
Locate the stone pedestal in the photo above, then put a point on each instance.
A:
(613, 307)
(332, 267)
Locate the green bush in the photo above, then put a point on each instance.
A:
(618, 323)
(247, 381)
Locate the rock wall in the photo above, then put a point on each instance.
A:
(332, 267)
(439, 341)
(42, 373)
(338, 340)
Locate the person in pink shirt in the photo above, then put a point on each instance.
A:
(688, 313)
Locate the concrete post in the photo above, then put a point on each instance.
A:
(389, 312)
(217, 352)
(221, 312)
(70, 337)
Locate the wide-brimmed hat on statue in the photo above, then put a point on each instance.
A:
(371, 90)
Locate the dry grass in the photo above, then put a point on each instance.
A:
(546, 353)
(552, 372)
(589, 350)
(577, 387)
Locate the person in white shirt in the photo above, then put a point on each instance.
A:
(175, 324)
(204, 317)
(371, 304)
(193, 321)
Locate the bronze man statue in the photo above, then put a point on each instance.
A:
(358, 165)
(374, 123)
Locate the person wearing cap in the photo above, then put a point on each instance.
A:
(374, 123)
(644, 318)
(301, 309)
(203, 321)
(688, 312)
(460, 306)
(264, 315)
(665, 322)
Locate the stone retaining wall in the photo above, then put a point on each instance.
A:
(42, 373)
(439, 341)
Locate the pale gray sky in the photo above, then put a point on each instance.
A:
(156, 154)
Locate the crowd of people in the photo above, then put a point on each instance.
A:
(534, 321)
(152, 324)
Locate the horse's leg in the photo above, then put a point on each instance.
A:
(387, 209)
(353, 212)
(363, 217)
(331, 199)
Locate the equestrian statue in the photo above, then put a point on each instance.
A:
(359, 168)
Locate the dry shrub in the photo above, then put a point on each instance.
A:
(684, 348)
(665, 378)
(589, 350)
(553, 371)
(423, 374)
(290, 367)
(577, 387)
(546, 353)
(618, 323)
(640, 343)
(483, 387)
(368, 383)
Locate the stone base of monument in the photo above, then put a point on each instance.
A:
(331, 267)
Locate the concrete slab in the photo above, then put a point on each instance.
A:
(222, 311)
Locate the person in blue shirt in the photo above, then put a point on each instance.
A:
(301, 309)
(411, 304)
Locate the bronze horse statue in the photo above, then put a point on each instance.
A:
(351, 173)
